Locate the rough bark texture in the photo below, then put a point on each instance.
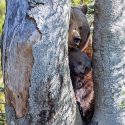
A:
(109, 62)
(35, 64)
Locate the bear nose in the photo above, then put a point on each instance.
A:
(77, 40)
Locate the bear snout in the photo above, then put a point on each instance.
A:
(77, 40)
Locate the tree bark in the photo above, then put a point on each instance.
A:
(35, 64)
(109, 62)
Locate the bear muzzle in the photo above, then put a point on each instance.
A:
(77, 40)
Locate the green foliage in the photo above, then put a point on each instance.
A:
(2, 13)
(0, 68)
(3, 119)
(91, 8)
(90, 4)
(88, 1)
(122, 104)
(2, 98)
(78, 2)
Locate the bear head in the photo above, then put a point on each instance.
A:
(79, 29)
(79, 62)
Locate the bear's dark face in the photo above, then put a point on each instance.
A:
(79, 62)
(79, 29)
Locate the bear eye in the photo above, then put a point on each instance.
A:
(80, 27)
(79, 63)
(86, 68)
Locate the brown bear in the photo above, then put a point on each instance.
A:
(81, 76)
(79, 29)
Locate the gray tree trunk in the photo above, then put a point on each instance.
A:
(35, 64)
(109, 62)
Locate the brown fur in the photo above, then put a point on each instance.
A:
(88, 49)
(81, 76)
(79, 29)
(85, 96)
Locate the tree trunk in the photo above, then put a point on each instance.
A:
(109, 62)
(35, 64)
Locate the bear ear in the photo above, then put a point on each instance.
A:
(84, 9)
